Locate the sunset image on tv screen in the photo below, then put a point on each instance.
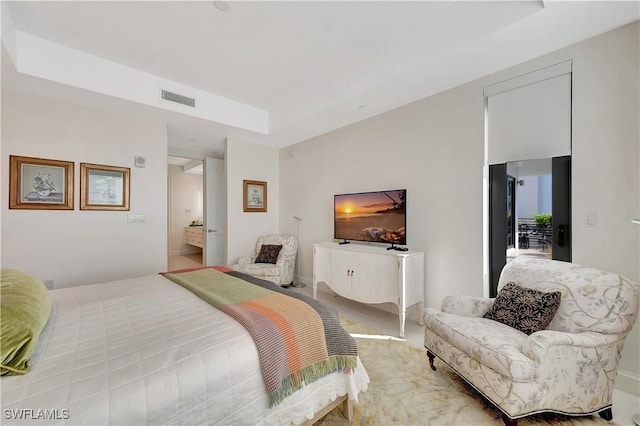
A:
(371, 216)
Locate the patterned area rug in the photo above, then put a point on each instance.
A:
(405, 391)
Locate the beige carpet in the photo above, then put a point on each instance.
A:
(405, 391)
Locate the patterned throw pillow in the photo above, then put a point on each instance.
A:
(269, 253)
(525, 309)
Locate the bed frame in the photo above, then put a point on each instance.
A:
(347, 410)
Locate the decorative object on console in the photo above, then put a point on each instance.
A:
(104, 187)
(281, 272)
(378, 217)
(570, 368)
(38, 183)
(254, 196)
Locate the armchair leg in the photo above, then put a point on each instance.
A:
(509, 421)
(606, 414)
(431, 358)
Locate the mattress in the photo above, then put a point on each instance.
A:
(147, 351)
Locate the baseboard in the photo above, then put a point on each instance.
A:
(628, 382)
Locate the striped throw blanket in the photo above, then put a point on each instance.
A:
(299, 339)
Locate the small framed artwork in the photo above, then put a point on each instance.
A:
(38, 183)
(104, 187)
(255, 196)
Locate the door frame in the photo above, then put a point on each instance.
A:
(169, 200)
(497, 224)
(497, 216)
(561, 211)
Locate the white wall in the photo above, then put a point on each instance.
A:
(527, 197)
(534, 196)
(185, 206)
(606, 139)
(434, 148)
(81, 247)
(252, 162)
(422, 147)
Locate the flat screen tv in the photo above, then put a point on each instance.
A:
(378, 217)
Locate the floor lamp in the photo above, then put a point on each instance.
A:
(298, 220)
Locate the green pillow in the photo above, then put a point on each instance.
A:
(24, 311)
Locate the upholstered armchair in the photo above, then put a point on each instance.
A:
(569, 368)
(269, 262)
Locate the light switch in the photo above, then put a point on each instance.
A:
(592, 219)
(136, 218)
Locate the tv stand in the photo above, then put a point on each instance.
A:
(397, 248)
(371, 274)
(344, 242)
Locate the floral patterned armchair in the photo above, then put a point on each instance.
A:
(280, 272)
(569, 368)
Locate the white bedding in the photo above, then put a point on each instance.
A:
(147, 351)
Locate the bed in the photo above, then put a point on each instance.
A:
(148, 351)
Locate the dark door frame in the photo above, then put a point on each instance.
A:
(561, 208)
(512, 231)
(497, 224)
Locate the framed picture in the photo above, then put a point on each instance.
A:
(38, 183)
(255, 196)
(104, 187)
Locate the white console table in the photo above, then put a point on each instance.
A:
(371, 274)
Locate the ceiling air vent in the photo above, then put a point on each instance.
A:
(174, 97)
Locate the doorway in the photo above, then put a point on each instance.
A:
(542, 213)
(532, 181)
(185, 233)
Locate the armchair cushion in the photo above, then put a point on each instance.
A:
(266, 271)
(539, 345)
(525, 309)
(269, 253)
(484, 341)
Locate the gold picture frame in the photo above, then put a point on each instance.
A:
(104, 187)
(40, 184)
(254, 195)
